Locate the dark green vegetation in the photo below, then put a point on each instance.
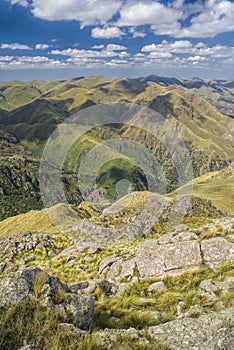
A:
(29, 112)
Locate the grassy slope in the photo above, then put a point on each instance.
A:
(216, 186)
(206, 131)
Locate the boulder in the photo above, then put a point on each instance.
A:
(155, 260)
(217, 250)
(89, 286)
(49, 291)
(155, 287)
(107, 262)
(213, 331)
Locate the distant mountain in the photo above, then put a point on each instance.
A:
(220, 93)
(201, 111)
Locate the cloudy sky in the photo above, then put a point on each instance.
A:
(60, 39)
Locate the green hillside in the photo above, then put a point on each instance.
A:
(218, 187)
(30, 112)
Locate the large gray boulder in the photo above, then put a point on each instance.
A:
(49, 291)
(217, 250)
(157, 260)
(213, 331)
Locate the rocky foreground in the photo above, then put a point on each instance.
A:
(169, 291)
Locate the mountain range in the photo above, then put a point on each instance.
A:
(201, 110)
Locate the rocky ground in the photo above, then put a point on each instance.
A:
(175, 289)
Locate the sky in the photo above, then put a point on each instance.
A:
(62, 39)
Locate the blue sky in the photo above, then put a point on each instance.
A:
(60, 39)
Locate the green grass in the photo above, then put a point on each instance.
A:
(217, 187)
(136, 312)
(30, 323)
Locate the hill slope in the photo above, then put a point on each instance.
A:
(31, 111)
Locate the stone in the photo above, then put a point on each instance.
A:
(94, 249)
(184, 236)
(209, 289)
(225, 286)
(213, 331)
(107, 262)
(155, 287)
(216, 251)
(70, 328)
(27, 347)
(174, 237)
(89, 286)
(155, 260)
(194, 311)
(72, 252)
(122, 270)
(49, 291)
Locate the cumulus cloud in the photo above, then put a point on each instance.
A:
(208, 19)
(203, 18)
(23, 3)
(15, 46)
(88, 12)
(160, 55)
(33, 59)
(98, 47)
(178, 46)
(41, 46)
(196, 58)
(151, 12)
(107, 33)
(89, 53)
(114, 47)
(185, 47)
(6, 58)
(28, 62)
(137, 34)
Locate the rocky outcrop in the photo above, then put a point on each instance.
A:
(174, 253)
(213, 331)
(216, 250)
(89, 286)
(50, 292)
(156, 260)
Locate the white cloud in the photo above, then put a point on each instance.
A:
(28, 62)
(33, 59)
(41, 46)
(137, 34)
(185, 47)
(150, 12)
(89, 53)
(88, 12)
(160, 55)
(196, 58)
(178, 46)
(6, 58)
(98, 47)
(114, 47)
(204, 18)
(107, 33)
(23, 3)
(209, 18)
(217, 51)
(15, 46)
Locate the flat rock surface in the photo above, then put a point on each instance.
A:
(217, 250)
(159, 260)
